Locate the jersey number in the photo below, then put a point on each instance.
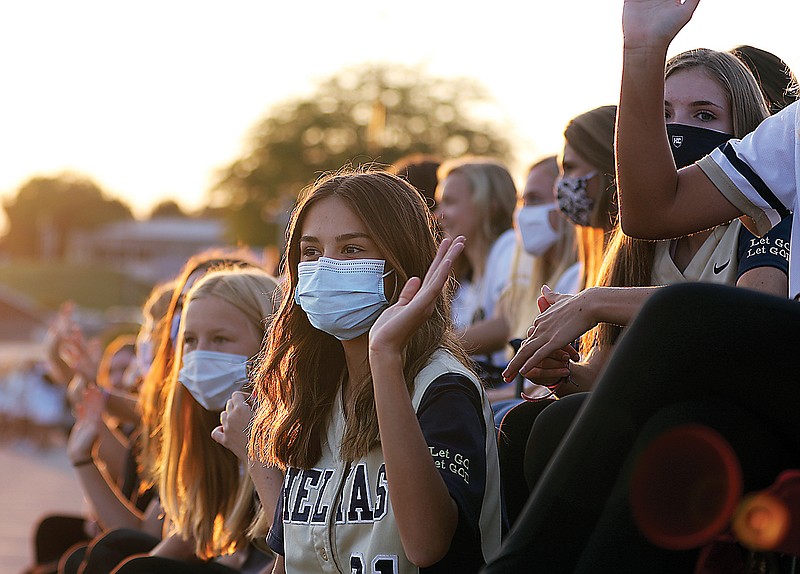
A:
(380, 565)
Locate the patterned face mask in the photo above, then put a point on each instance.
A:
(573, 200)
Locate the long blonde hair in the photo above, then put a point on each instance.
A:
(204, 493)
(303, 367)
(152, 394)
(517, 304)
(494, 195)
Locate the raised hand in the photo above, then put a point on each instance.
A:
(648, 24)
(393, 329)
(86, 429)
(234, 424)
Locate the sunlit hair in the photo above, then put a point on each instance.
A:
(303, 367)
(629, 262)
(151, 392)
(202, 490)
(591, 136)
(120, 344)
(774, 77)
(493, 193)
(518, 303)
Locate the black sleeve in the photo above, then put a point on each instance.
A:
(275, 536)
(451, 418)
(771, 250)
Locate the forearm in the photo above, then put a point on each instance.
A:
(616, 305)
(646, 173)
(486, 336)
(110, 507)
(426, 514)
(268, 482)
(769, 280)
(122, 405)
(113, 451)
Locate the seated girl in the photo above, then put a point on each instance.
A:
(365, 398)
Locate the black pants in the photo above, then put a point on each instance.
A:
(692, 341)
(108, 550)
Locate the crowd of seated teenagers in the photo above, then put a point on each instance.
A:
(557, 371)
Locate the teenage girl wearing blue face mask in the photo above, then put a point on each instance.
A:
(365, 397)
(206, 491)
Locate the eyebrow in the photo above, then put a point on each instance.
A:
(697, 103)
(339, 238)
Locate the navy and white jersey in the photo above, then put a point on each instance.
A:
(337, 516)
(759, 175)
(769, 250)
(728, 253)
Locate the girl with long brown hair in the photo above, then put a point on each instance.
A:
(365, 398)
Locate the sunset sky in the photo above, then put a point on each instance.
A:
(150, 98)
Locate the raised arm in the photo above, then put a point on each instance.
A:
(112, 509)
(656, 201)
(426, 514)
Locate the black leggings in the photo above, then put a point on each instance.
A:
(693, 341)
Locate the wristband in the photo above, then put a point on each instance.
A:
(83, 462)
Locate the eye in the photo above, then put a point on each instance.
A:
(309, 253)
(705, 116)
(667, 115)
(351, 249)
(220, 340)
(189, 341)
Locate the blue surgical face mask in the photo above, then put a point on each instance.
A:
(212, 377)
(341, 297)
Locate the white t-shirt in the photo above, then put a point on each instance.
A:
(570, 280)
(475, 301)
(759, 175)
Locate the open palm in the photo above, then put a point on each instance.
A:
(654, 23)
(396, 325)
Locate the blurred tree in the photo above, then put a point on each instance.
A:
(46, 210)
(167, 208)
(373, 113)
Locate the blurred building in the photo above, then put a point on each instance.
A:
(22, 329)
(149, 251)
(20, 319)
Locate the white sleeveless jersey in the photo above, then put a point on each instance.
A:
(338, 517)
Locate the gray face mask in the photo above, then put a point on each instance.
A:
(573, 199)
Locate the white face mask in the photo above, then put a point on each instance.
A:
(341, 297)
(212, 377)
(533, 222)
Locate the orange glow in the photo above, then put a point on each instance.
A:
(761, 521)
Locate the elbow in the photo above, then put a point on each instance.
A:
(427, 556)
(638, 227)
(425, 551)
